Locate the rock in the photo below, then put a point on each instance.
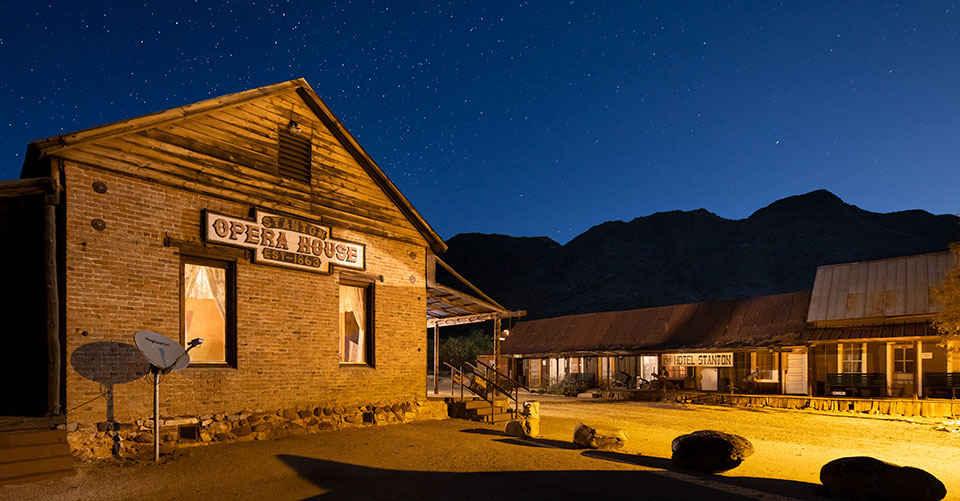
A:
(225, 437)
(328, 411)
(290, 414)
(87, 427)
(592, 438)
(318, 411)
(304, 414)
(218, 427)
(242, 431)
(206, 436)
(325, 426)
(710, 451)
(868, 478)
(514, 428)
(263, 427)
(531, 409)
(144, 438)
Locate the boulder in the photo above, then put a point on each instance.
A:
(514, 428)
(530, 412)
(864, 477)
(591, 438)
(710, 451)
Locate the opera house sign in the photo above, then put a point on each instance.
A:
(284, 241)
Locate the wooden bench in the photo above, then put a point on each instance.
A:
(857, 382)
(946, 381)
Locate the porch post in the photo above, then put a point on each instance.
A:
(918, 384)
(52, 301)
(436, 359)
(889, 368)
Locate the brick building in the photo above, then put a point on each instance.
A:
(254, 221)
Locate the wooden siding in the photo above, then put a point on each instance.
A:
(232, 153)
(883, 289)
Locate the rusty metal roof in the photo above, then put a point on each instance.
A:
(893, 330)
(875, 291)
(759, 321)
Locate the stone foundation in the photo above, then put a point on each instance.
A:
(110, 439)
(933, 408)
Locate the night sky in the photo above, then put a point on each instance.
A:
(538, 118)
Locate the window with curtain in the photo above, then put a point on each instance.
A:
(767, 367)
(355, 334)
(207, 296)
(853, 357)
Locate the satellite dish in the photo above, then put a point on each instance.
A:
(161, 351)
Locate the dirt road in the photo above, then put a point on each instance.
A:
(457, 459)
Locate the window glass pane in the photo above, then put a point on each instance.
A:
(353, 324)
(204, 312)
(766, 366)
(852, 357)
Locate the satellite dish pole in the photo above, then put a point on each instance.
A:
(159, 350)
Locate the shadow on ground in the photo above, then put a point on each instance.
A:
(340, 480)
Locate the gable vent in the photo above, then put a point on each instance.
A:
(294, 158)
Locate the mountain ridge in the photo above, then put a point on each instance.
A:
(679, 256)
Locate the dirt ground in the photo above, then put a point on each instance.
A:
(456, 459)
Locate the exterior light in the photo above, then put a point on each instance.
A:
(294, 127)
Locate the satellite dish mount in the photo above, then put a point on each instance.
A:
(165, 355)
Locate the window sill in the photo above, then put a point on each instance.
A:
(355, 364)
(215, 367)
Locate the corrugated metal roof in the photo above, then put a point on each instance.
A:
(910, 329)
(879, 289)
(758, 321)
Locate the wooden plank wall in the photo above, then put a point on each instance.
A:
(232, 153)
(876, 289)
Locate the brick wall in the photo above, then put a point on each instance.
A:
(122, 279)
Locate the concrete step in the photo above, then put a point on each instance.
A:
(486, 411)
(32, 437)
(499, 417)
(32, 455)
(481, 404)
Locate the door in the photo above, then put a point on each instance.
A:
(648, 367)
(795, 377)
(904, 365)
(708, 378)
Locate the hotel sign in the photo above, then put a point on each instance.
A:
(698, 359)
(284, 241)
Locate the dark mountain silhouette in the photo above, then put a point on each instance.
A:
(690, 256)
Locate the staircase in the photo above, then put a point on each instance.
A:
(29, 455)
(481, 410)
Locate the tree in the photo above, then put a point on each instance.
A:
(458, 350)
(947, 321)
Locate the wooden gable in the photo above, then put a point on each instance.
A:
(229, 147)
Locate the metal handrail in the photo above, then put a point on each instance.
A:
(459, 372)
(504, 376)
(497, 387)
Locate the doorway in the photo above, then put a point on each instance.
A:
(795, 375)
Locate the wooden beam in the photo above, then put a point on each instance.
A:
(22, 187)
(471, 319)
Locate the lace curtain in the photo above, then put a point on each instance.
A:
(353, 324)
